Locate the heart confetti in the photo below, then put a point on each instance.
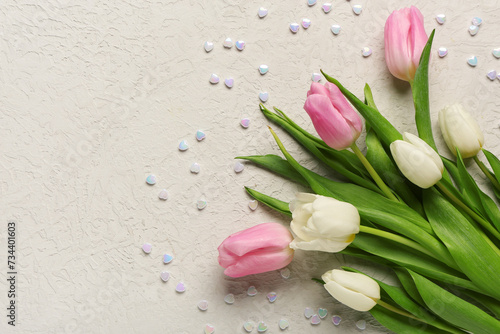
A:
(308, 312)
(262, 12)
(361, 324)
(195, 168)
(366, 51)
(180, 288)
(316, 77)
(163, 195)
(147, 247)
(473, 30)
(229, 299)
(335, 29)
(209, 46)
(263, 69)
(283, 324)
(263, 96)
(228, 43)
(496, 52)
(209, 329)
(306, 23)
(441, 18)
(294, 27)
(285, 273)
(248, 326)
(200, 135)
(165, 275)
(311, 2)
(252, 291)
(477, 21)
(203, 305)
(262, 327)
(240, 45)
(167, 258)
(492, 75)
(214, 79)
(151, 179)
(272, 296)
(183, 145)
(229, 82)
(327, 7)
(315, 320)
(245, 122)
(253, 204)
(357, 9)
(322, 312)
(201, 204)
(336, 319)
(442, 52)
(472, 61)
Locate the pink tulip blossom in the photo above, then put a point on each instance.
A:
(256, 250)
(405, 39)
(333, 117)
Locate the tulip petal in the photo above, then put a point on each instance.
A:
(323, 245)
(397, 54)
(423, 146)
(339, 101)
(317, 88)
(417, 36)
(353, 299)
(259, 262)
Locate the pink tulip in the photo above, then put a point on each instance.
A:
(256, 250)
(333, 117)
(405, 38)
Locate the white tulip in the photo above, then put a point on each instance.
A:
(322, 223)
(417, 161)
(355, 290)
(460, 131)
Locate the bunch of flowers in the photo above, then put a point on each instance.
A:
(403, 206)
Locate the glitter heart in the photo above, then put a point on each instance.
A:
(492, 75)
(180, 288)
(306, 23)
(200, 135)
(315, 320)
(245, 122)
(322, 312)
(252, 291)
(238, 167)
(209, 46)
(253, 205)
(165, 276)
(473, 30)
(308, 312)
(203, 305)
(366, 52)
(147, 247)
(336, 319)
(151, 179)
(316, 77)
(248, 326)
(327, 7)
(285, 273)
(441, 18)
(167, 258)
(496, 52)
(163, 195)
(263, 96)
(195, 168)
(228, 43)
(442, 52)
(294, 27)
(311, 2)
(477, 21)
(357, 9)
(262, 327)
(263, 69)
(229, 299)
(361, 324)
(240, 45)
(209, 329)
(214, 79)
(201, 204)
(183, 145)
(335, 29)
(229, 82)
(283, 323)
(472, 61)
(272, 296)
(262, 12)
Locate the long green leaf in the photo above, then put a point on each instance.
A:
(271, 202)
(494, 163)
(408, 284)
(454, 309)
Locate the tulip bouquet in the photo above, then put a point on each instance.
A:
(402, 205)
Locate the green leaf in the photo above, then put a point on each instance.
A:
(466, 243)
(408, 284)
(454, 309)
(271, 202)
(469, 188)
(494, 163)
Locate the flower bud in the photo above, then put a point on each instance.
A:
(355, 290)
(417, 161)
(322, 223)
(460, 131)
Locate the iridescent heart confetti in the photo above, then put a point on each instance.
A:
(315, 320)
(283, 324)
(477, 21)
(263, 69)
(248, 326)
(336, 319)
(441, 18)
(209, 46)
(294, 27)
(214, 79)
(316, 77)
(163, 195)
(165, 275)
(472, 61)
(308, 312)
(200, 135)
(306, 23)
(322, 312)
(228, 43)
(263, 96)
(272, 296)
(366, 51)
(327, 7)
(147, 247)
(245, 122)
(473, 30)
(229, 82)
(167, 258)
(253, 204)
(238, 167)
(251, 291)
(492, 75)
(151, 179)
(361, 324)
(201, 204)
(357, 9)
(240, 45)
(311, 2)
(203, 305)
(262, 327)
(209, 329)
(229, 299)
(335, 29)
(496, 52)
(195, 168)
(180, 287)
(285, 273)
(442, 52)
(183, 145)
(262, 12)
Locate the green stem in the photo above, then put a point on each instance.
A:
(487, 173)
(380, 183)
(474, 215)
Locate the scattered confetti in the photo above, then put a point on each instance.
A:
(229, 299)
(147, 247)
(306, 23)
(203, 305)
(214, 79)
(253, 204)
(327, 7)
(308, 312)
(209, 46)
(262, 327)
(229, 82)
(263, 96)
(357, 9)
(336, 319)
(361, 324)
(322, 312)
(272, 296)
(245, 122)
(163, 195)
(477, 21)
(442, 52)
(252, 291)
(283, 324)
(240, 45)
(441, 18)
(183, 145)
(311, 2)
(165, 275)
(366, 51)
(473, 30)
(498, 76)
(315, 320)
(209, 329)
(496, 52)
(316, 77)
(151, 179)
(492, 75)
(248, 326)
(180, 288)
(228, 43)
(472, 61)
(262, 12)
(167, 258)
(294, 27)
(195, 168)
(200, 135)
(335, 29)
(263, 69)
(285, 273)
(201, 204)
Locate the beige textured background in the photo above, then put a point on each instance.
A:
(96, 95)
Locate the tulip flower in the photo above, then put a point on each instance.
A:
(417, 161)
(405, 39)
(333, 117)
(256, 250)
(355, 290)
(460, 131)
(322, 223)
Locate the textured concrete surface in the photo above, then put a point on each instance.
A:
(96, 95)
